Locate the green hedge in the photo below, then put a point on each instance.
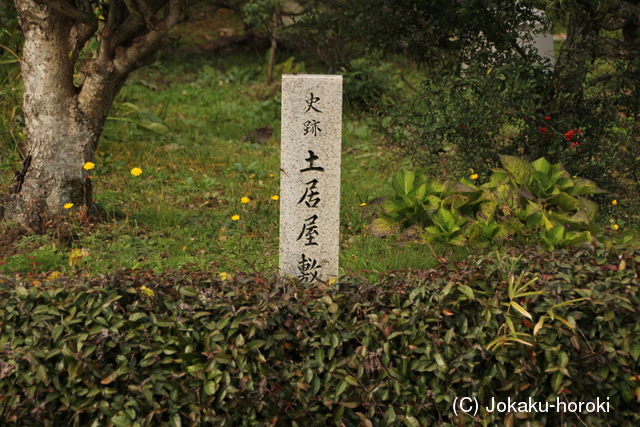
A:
(145, 349)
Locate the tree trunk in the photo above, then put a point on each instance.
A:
(274, 46)
(62, 122)
(272, 59)
(576, 56)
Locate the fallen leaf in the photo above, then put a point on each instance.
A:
(54, 275)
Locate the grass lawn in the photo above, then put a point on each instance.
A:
(183, 121)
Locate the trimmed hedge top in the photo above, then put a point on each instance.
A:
(140, 349)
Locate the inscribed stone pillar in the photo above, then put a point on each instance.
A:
(310, 176)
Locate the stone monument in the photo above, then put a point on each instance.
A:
(310, 176)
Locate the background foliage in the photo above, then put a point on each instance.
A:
(485, 92)
(11, 119)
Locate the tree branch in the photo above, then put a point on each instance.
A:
(134, 25)
(143, 46)
(606, 47)
(131, 27)
(619, 15)
(68, 10)
(513, 42)
(147, 13)
(80, 34)
(107, 32)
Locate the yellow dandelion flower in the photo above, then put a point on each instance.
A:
(275, 197)
(136, 171)
(474, 176)
(245, 200)
(224, 276)
(271, 175)
(614, 202)
(235, 217)
(615, 226)
(363, 204)
(68, 206)
(88, 166)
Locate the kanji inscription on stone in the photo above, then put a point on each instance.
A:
(310, 176)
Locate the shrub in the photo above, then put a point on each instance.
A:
(525, 199)
(173, 349)
(366, 82)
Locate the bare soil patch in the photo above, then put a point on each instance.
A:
(10, 235)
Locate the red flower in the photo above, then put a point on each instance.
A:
(543, 130)
(570, 134)
(574, 144)
(548, 118)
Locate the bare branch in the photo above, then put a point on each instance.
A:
(175, 10)
(80, 34)
(147, 13)
(146, 45)
(68, 10)
(107, 32)
(134, 25)
(133, 10)
(131, 27)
